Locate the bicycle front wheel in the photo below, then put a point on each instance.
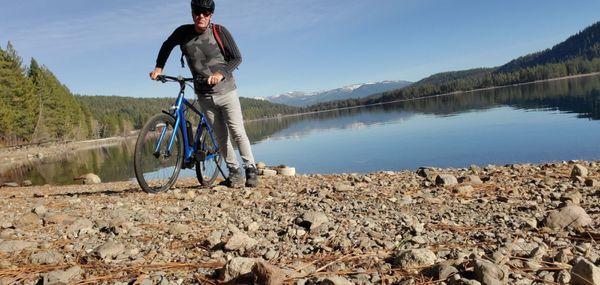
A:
(207, 164)
(156, 167)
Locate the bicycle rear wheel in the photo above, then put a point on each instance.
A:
(156, 168)
(208, 161)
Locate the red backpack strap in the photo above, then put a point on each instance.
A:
(217, 33)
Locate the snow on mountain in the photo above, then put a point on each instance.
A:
(299, 98)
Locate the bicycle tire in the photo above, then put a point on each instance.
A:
(207, 170)
(146, 144)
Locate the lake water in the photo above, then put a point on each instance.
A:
(542, 122)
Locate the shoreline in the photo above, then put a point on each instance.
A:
(19, 156)
(362, 228)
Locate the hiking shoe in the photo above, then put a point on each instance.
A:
(235, 179)
(251, 176)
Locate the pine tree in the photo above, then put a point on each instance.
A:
(20, 104)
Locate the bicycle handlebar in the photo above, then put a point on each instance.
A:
(180, 79)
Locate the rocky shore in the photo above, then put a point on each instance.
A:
(514, 224)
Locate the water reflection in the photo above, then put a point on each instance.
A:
(581, 96)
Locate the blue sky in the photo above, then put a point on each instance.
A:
(108, 47)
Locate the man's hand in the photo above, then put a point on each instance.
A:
(215, 78)
(155, 73)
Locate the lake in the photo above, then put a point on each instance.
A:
(541, 122)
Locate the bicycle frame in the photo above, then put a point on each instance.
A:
(177, 111)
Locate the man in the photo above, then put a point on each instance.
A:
(212, 55)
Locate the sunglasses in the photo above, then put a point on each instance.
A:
(202, 12)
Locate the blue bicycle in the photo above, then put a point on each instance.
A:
(167, 143)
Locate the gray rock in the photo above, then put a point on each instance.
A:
(179, 229)
(12, 246)
(465, 190)
(46, 258)
(441, 271)
(28, 221)
(27, 183)
(10, 184)
(240, 241)
(253, 227)
(61, 277)
(584, 272)
(63, 219)
(569, 216)
(40, 210)
(446, 180)
(426, 172)
(267, 274)
(271, 253)
(214, 238)
(89, 178)
(110, 250)
(343, 187)
(471, 179)
(563, 277)
(579, 170)
(334, 280)
(563, 255)
(415, 259)
(269, 172)
(489, 273)
(313, 219)
(238, 268)
(80, 227)
(574, 197)
(287, 171)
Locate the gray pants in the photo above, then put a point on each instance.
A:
(223, 112)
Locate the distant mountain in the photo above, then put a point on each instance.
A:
(297, 98)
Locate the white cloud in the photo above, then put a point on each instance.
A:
(131, 23)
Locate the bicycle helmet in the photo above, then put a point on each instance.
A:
(203, 5)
